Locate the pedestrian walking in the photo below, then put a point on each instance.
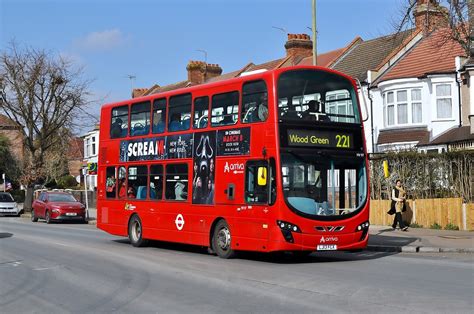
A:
(398, 205)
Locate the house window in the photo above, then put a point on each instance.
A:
(86, 148)
(443, 101)
(416, 106)
(402, 107)
(390, 109)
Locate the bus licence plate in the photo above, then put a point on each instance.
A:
(71, 214)
(326, 247)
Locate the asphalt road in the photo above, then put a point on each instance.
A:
(73, 268)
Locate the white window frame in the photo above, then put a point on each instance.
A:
(395, 104)
(450, 98)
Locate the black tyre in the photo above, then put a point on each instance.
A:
(221, 240)
(47, 217)
(33, 216)
(135, 233)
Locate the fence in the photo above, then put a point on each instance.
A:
(427, 212)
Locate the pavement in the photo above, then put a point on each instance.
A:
(415, 240)
(420, 240)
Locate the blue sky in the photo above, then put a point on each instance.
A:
(154, 40)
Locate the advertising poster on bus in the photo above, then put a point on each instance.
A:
(233, 142)
(180, 146)
(204, 167)
(143, 149)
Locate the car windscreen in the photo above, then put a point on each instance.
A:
(6, 198)
(61, 198)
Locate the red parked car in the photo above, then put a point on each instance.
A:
(57, 206)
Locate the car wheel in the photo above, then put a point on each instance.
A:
(47, 217)
(33, 216)
(135, 232)
(222, 239)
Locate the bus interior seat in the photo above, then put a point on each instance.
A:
(185, 124)
(174, 126)
(141, 192)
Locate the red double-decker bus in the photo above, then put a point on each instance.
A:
(269, 161)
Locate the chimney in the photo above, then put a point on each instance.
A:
(429, 15)
(299, 45)
(137, 92)
(199, 72)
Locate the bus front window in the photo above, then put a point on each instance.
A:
(323, 185)
(312, 95)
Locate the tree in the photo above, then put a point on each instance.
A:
(43, 94)
(454, 14)
(8, 163)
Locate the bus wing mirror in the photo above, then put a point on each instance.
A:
(262, 176)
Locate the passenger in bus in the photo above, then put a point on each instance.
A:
(158, 123)
(262, 110)
(313, 113)
(228, 119)
(131, 192)
(122, 192)
(175, 124)
(116, 128)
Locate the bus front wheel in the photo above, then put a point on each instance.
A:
(135, 231)
(221, 240)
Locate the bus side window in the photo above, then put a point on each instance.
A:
(159, 116)
(140, 119)
(225, 109)
(179, 113)
(121, 182)
(156, 182)
(119, 122)
(201, 112)
(256, 182)
(254, 102)
(176, 182)
(137, 182)
(110, 183)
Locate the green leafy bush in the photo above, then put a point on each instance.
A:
(436, 226)
(66, 182)
(451, 226)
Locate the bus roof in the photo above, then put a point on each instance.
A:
(244, 78)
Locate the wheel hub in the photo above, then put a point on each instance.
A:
(136, 231)
(223, 239)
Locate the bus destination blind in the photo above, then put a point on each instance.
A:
(313, 138)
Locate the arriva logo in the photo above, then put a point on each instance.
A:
(328, 239)
(234, 167)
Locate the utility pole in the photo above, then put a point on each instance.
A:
(315, 50)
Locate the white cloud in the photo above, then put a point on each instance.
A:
(101, 41)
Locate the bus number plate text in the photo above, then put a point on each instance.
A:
(326, 247)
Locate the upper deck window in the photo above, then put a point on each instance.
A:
(179, 113)
(201, 112)
(140, 119)
(312, 95)
(159, 116)
(119, 122)
(254, 102)
(225, 109)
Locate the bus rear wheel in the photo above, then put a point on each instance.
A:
(135, 232)
(221, 240)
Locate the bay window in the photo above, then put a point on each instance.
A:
(402, 107)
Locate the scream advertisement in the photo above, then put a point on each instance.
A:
(204, 152)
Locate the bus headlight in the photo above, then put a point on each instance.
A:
(288, 226)
(363, 226)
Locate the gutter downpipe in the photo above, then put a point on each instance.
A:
(369, 87)
(458, 82)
